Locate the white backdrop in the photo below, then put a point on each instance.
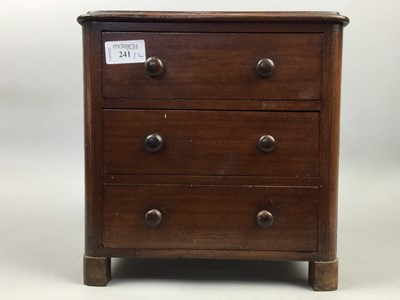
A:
(41, 162)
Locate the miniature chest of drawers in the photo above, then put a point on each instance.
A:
(212, 135)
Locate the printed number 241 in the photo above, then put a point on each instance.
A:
(124, 53)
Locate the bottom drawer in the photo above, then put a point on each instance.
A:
(210, 217)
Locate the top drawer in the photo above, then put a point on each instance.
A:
(218, 66)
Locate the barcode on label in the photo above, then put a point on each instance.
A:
(125, 52)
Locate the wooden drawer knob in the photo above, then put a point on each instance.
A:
(265, 67)
(153, 142)
(267, 143)
(154, 66)
(265, 219)
(153, 217)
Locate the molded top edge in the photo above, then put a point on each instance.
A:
(205, 16)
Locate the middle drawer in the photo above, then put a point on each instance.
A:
(189, 142)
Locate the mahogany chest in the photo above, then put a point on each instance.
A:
(212, 135)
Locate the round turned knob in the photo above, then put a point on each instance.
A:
(153, 217)
(266, 143)
(154, 66)
(265, 219)
(265, 67)
(153, 142)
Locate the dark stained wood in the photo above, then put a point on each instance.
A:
(93, 146)
(210, 217)
(217, 66)
(212, 180)
(90, 177)
(211, 143)
(211, 254)
(219, 27)
(330, 143)
(206, 16)
(97, 270)
(205, 186)
(259, 105)
(323, 275)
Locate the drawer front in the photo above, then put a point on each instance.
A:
(218, 66)
(211, 143)
(209, 217)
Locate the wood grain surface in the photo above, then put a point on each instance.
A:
(210, 179)
(219, 66)
(210, 217)
(211, 143)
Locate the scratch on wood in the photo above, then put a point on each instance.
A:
(117, 212)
